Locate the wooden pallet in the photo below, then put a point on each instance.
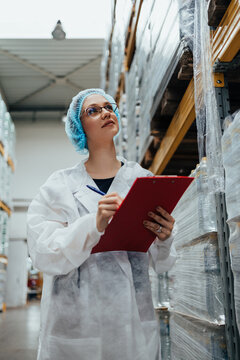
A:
(216, 10)
(9, 160)
(5, 208)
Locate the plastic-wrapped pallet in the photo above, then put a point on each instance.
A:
(3, 280)
(3, 110)
(192, 339)
(131, 81)
(8, 141)
(186, 17)
(160, 289)
(231, 163)
(197, 287)
(121, 141)
(123, 10)
(165, 43)
(195, 213)
(143, 58)
(104, 64)
(4, 232)
(163, 316)
(234, 246)
(106, 54)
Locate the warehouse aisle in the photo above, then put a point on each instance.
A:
(19, 330)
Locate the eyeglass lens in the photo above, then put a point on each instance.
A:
(95, 110)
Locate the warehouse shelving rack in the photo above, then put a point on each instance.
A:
(10, 163)
(225, 50)
(225, 47)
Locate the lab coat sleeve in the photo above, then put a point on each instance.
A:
(163, 253)
(55, 246)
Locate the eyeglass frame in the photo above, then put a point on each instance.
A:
(101, 107)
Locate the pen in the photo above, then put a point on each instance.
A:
(96, 190)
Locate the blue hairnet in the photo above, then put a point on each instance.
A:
(73, 125)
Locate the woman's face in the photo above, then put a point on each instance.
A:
(102, 126)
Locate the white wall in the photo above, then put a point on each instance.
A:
(41, 148)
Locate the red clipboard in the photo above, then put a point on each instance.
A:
(126, 231)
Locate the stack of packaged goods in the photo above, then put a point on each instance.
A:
(164, 317)
(131, 81)
(160, 41)
(123, 10)
(195, 285)
(7, 143)
(193, 339)
(231, 162)
(143, 58)
(104, 64)
(3, 279)
(121, 141)
(160, 297)
(106, 49)
(165, 43)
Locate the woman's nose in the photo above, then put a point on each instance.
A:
(105, 113)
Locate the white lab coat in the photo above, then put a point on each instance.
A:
(99, 306)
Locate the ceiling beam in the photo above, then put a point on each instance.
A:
(81, 67)
(36, 92)
(55, 80)
(19, 109)
(27, 63)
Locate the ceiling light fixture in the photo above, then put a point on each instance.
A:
(58, 33)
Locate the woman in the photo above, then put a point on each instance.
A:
(94, 306)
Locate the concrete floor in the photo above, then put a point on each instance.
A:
(19, 329)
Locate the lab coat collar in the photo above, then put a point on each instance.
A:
(79, 179)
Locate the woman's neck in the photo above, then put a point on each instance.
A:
(102, 162)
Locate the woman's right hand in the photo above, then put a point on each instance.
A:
(107, 207)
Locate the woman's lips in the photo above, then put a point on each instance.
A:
(108, 123)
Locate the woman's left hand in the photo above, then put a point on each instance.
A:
(163, 223)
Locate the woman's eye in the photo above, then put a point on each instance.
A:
(92, 110)
(109, 107)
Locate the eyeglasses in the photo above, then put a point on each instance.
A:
(94, 111)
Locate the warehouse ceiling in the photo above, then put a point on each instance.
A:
(38, 77)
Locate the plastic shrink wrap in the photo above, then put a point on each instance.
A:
(131, 81)
(195, 213)
(192, 339)
(163, 316)
(121, 141)
(160, 41)
(160, 289)
(157, 52)
(234, 246)
(7, 139)
(231, 163)
(123, 10)
(3, 279)
(3, 254)
(196, 289)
